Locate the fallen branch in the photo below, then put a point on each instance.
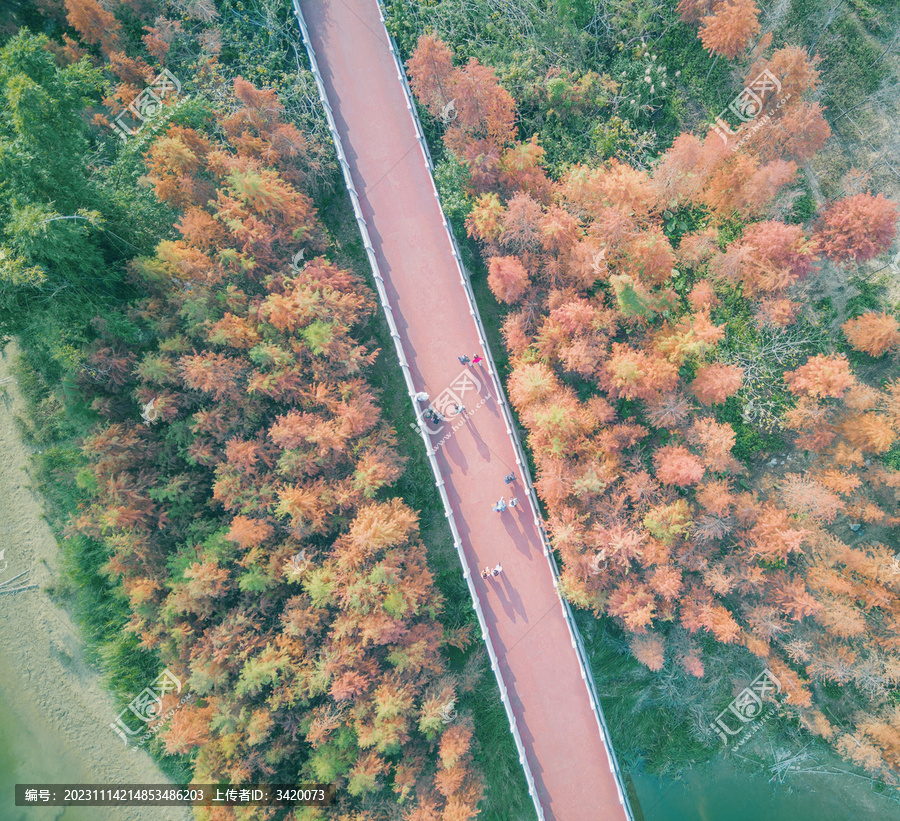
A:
(18, 589)
(8, 581)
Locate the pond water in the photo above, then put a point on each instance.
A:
(720, 791)
(54, 714)
(28, 755)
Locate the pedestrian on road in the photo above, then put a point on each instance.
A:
(485, 573)
(477, 359)
(438, 416)
(464, 360)
(497, 570)
(514, 501)
(510, 477)
(421, 396)
(458, 409)
(500, 506)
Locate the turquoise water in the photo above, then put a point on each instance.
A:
(28, 756)
(720, 792)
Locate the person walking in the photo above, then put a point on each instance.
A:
(510, 477)
(477, 359)
(497, 570)
(485, 573)
(500, 506)
(463, 360)
(458, 409)
(421, 396)
(514, 501)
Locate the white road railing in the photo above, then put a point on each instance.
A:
(404, 366)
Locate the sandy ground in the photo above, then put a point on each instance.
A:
(54, 714)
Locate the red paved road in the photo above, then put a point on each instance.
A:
(563, 744)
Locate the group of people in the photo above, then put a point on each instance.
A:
(464, 360)
(436, 416)
(433, 415)
(499, 508)
(502, 505)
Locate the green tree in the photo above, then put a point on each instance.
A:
(51, 210)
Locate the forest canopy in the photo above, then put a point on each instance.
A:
(659, 338)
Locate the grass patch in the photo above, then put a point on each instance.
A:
(868, 298)
(650, 723)
(748, 440)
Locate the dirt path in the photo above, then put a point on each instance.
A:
(54, 713)
(563, 745)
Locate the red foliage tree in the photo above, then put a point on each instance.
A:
(777, 313)
(635, 374)
(522, 224)
(717, 440)
(522, 169)
(160, 37)
(684, 170)
(175, 163)
(431, 74)
(714, 383)
(134, 72)
(857, 228)
(484, 109)
(649, 650)
(590, 191)
(483, 159)
(634, 604)
(216, 374)
(801, 131)
(94, 23)
(872, 333)
(729, 29)
(693, 11)
(647, 256)
(870, 432)
(676, 465)
(821, 376)
(485, 221)
(794, 72)
(779, 255)
(507, 278)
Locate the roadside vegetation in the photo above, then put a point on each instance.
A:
(707, 377)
